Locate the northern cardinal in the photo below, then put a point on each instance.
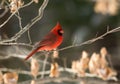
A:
(51, 41)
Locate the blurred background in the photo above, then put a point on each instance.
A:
(81, 20)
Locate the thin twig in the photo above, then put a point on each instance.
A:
(7, 20)
(44, 65)
(29, 37)
(28, 4)
(8, 17)
(5, 11)
(2, 2)
(15, 44)
(19, 19)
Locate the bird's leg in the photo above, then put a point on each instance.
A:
(44, 64)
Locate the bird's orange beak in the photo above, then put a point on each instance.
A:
(61, 31)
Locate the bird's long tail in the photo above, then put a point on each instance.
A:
(31, 53)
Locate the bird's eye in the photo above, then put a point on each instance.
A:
(60, 32)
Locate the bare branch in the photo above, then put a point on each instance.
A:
(7, 20)
(29, 25)
(41, 72)
(44, 65)
(65, 78)
(19, 19)
(5, 11)
(15, 44)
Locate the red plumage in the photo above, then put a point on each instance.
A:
(51, 41)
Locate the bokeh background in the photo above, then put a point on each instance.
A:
(81, 20)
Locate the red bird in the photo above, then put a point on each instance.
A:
(51, 41)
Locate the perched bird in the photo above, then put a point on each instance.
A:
(51, 41)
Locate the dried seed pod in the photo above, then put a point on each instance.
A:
(55, 53)
(82, 65)
(36, 1)
(10, 78)
(74, 67)
(113, 7)
(94, 63)
(84, 60)
(103, 51)
(13, 7)
(15, 4)
(33, 82)
(103, 60)
(54, 72)
(107, 7)
(20, 3)
(34, 67)
(106, 73)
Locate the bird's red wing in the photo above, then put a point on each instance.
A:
(49, 39)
